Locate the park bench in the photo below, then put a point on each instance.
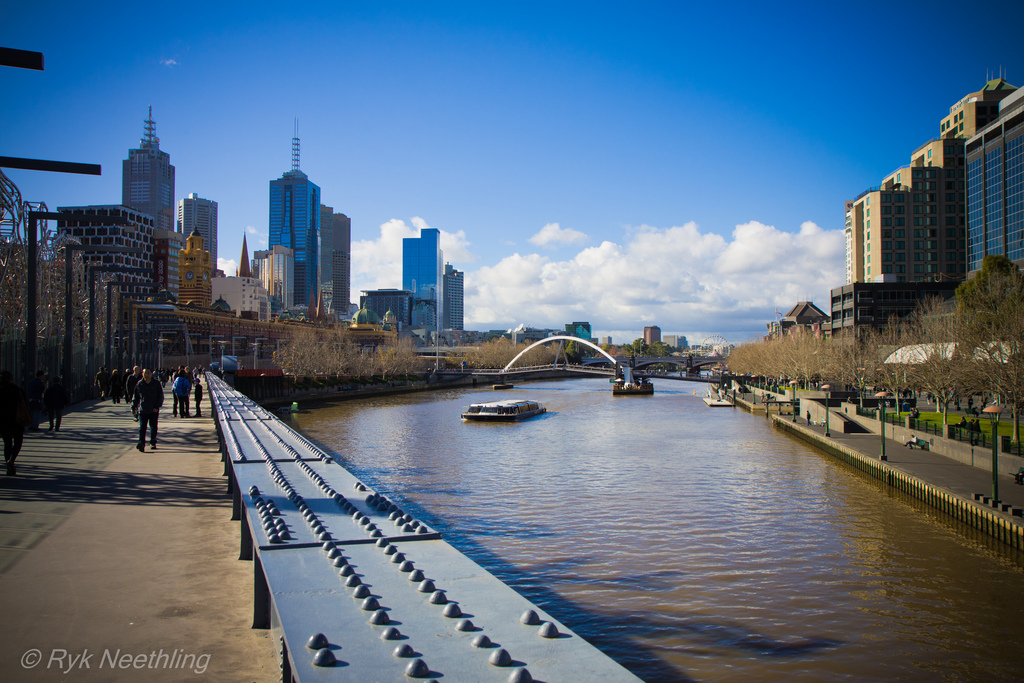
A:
(915, 442)
(1018, 477)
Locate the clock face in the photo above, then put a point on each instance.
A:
(206, 276)
(189, 275)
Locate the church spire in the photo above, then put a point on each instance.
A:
(243, 265)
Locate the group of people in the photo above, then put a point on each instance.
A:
(21, 410)
(973, 427)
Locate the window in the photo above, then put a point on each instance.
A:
(886, 198)
(899, 197)
(900, 221)
(887, 246)
(900, 244)
(886, 233)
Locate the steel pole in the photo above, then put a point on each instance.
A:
(995, 460)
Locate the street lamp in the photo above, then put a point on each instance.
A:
(793, 384)
(994, 411)
(828, 394)
(881, 395)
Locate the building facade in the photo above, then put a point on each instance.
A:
(335, 260)
(295, 224)
(995, 185)
(863, 305)
(137, 234)
(652, 334)
(195, 272)
(167, 244)
(579, 329)
(147, 179)
(453, 298)
(196, 213)
(423, 275)
(245, 295)
(273, 268)
(397, 301)
(803, 317)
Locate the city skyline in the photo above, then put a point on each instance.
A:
(584, 162)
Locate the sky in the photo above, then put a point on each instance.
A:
(675, 164)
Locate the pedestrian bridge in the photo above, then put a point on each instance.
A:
(355, 588)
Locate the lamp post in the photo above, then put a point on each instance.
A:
(881, 396)
(828, 393)
(861, 392)
(994, 411)
(792, 384)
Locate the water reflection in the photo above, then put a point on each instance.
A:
(691, 543)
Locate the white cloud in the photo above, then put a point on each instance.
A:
(229, 266)
(679, 278)
(168, 62)
(261, 237)
(377, 263)
(553, 235)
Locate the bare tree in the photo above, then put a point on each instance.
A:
(933, 361)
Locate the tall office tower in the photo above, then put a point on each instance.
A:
(652, 334)
(274, 268)
(995, 185)
(195, 213)
(335, 260)
(422, 274)
(453, 311)
(147, 179)
(295, 223)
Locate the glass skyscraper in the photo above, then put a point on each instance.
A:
(295, 224)
(423, 274)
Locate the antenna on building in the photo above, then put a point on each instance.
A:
(295, 147)
(149, 138)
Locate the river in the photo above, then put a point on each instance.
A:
(691, 543)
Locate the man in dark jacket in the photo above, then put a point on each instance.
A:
(146, 402)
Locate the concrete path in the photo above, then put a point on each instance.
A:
(126, 560)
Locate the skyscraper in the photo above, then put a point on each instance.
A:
(423, 275)
(295, 223)
(335, 259)
(147, 179)
(453, 312)
(195, 213)
(995, 184)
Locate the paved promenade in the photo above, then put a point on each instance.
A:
(961, 480)
(127, 558)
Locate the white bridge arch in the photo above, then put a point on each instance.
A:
(561, 337)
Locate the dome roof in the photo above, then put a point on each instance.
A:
(364, 316)
(220, 304)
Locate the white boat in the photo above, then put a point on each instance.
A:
(503, 411)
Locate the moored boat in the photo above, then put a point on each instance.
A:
(503, 411)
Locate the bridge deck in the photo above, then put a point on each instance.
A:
(332, 557)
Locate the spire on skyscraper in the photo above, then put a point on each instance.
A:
(295, 147)
(243, 266)
(149, 138)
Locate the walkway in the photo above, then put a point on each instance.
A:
(108, 552)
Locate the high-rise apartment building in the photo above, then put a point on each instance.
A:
(335, 260)
(423, 275)
(913, 227)
(453, 298)
(273, 267)
(137, 234)
(196, 213)
(995, 183)
(295, 224)
(147, 179)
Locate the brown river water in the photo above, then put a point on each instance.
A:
(692, 543)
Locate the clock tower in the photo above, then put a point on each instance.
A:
(194, 272)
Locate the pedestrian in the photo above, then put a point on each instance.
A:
(116, 386)
(199, 397)
(34, 392)
(146, 402)
(55, 399)
(103, 382)
(181, 389)
(129, 389)
(14, 417)
(808, 417)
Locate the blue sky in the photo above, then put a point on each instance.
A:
(673, 164)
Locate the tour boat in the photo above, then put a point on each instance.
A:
(503, 411)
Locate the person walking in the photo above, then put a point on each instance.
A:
(55, 399)
(181, 388)
(34, 392)
(129, 389)
(146, 402)
(11, 428)
(199, 397)
(103, 382)
(116, 386)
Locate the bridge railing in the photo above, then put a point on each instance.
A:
(354, 588)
